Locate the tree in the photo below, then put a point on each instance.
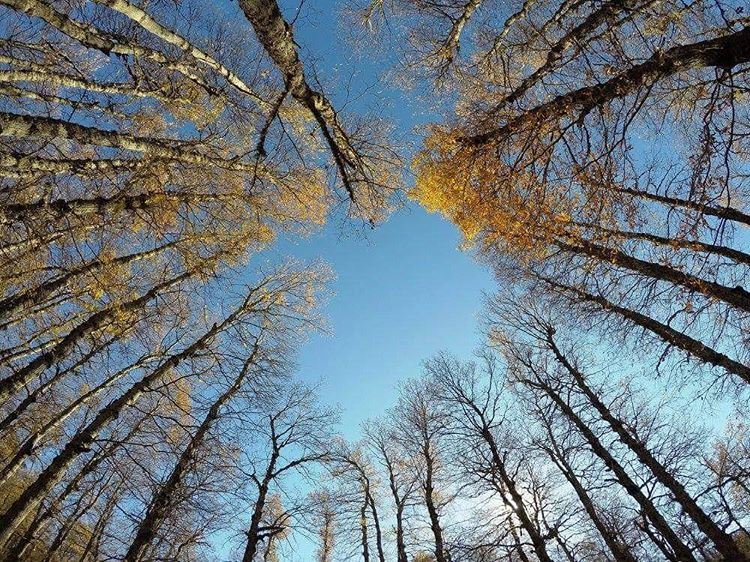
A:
(420, 428)
(297, 431)
(146, 152)
(380, 439)
(555, 165)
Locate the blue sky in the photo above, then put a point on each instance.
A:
(404, 290)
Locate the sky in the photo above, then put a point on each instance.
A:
(404, 290)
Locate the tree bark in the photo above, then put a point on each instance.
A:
(276, 36)
(32, 297)
(147, 22)
(26, 126)
(725, 213)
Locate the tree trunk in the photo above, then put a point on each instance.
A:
(13, 383)
(147, 22)
(723, 542)
(518, 506)
(680, 549)
(33, 297)
(275, 34)
(432, 511)
(160, 503)
(725, 213)
(671, 336)
(38, 436)
(726, 51)
(35, 493)
(735, 296)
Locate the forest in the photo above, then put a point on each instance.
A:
(594, 155)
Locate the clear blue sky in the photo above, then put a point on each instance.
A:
(404, 290)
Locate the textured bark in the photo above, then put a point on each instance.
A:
(726, 51)
(620, 551)
(723, 542)
(574, 37)
(65, 208)
(725, 213)
(452, 41)
(25, 126)
(147, 22)
(108, 44)
(276, 36)
(42, 75)
(432, 510)
(39, 435)
(36, 394)
(78, 166)
(518, 505)
(674, 243)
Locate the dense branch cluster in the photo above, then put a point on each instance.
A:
(147, 152)
(596, 160)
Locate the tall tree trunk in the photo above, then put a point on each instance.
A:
(161, 502)
(276, 36)
(432, 511)
(27, 126)
(36, 295)
(518, 504)
(671, 336)
(735, 296)
(30, 498)
(725, 213)
(673, 243)
(376, 523)
(723, 542)
(17, 553)
(680, 549)
(147, 22)
(363, 533)
(13, 383)
(400, 543)
(253, 533)
(39, 435)
(93, 38)
(726, 51)
(620, 551)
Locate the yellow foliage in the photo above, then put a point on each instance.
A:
(488, 202)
